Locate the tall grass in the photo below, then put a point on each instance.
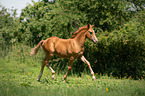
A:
(19, 71)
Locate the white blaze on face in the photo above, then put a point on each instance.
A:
(95, 38)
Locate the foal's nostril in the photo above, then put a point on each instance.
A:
(96, 41)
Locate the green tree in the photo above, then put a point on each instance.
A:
(7, 25)
(43, 19)
(6, 16)
(107, 15)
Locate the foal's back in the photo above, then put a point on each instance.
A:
(61, 47)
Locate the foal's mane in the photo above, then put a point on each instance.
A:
(79, 31)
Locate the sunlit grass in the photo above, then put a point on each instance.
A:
(19, 79)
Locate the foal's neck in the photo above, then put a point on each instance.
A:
(80, 38)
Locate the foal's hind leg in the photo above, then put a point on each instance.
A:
(47, 64)
(42, 68)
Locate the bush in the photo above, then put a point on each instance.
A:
(121, 52)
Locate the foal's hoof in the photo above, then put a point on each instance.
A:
(64, 81)
(94, 79)
(38, 80)
(52, 78)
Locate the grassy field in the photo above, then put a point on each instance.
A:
(19, 71)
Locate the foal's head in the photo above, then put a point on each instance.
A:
(91, 34)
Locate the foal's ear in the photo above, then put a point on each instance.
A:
(93, 25)
(88, 26)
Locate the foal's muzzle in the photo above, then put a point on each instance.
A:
(95, 41)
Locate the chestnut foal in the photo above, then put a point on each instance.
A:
(71, 48)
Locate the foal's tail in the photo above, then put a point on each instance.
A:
(35, 49)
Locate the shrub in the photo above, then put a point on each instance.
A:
(121, 52)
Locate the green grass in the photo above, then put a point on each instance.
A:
(19, 71)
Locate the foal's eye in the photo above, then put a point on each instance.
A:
(91, 32)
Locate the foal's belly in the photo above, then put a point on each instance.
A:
(63, 55)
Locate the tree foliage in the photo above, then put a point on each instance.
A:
(7, 22)
(6, 18)
(64, 17)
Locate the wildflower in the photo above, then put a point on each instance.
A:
(107, 89)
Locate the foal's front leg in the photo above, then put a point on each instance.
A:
(86, 61)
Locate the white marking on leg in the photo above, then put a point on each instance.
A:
(52, 71)
(85, 61)
(94, 77)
